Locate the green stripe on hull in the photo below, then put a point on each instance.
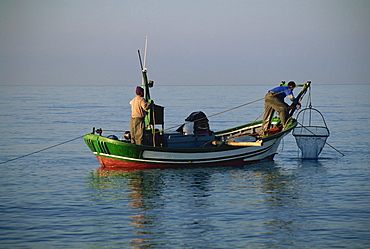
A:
(110, 151)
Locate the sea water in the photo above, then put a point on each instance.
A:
(58, 197)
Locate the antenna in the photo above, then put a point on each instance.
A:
(145, 49)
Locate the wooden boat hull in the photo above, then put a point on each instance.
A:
(123, 155)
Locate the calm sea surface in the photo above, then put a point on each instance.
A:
(58, 198)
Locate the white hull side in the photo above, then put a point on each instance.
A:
(252, 153)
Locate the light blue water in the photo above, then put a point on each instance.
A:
(58, 199)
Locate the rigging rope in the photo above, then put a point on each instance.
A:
(218, 113)
(215, 114)
(35, 152)
(212, 115)
(325, 142)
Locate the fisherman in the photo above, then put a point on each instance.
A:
(138, 111)
(274, 101)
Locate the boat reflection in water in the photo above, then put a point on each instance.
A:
(203, 207)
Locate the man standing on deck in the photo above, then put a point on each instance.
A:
(274, 101)
(138, 111)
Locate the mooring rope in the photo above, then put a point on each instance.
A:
(47, 148)
(282, 147)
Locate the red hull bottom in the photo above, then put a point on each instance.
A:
(114, 164)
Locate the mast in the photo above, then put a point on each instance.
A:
(155, 115)
(145, 76)
(146, 84)
(144, 80)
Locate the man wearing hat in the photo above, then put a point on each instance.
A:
(274, 101)
(138, 111)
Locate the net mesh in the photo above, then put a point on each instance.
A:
(311, 140)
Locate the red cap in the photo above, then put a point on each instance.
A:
(139, 90)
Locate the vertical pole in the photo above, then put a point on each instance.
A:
(145, 50)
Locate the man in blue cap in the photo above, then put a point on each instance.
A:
(274, 101)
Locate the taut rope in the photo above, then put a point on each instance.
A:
(42, 150)
(218, 113)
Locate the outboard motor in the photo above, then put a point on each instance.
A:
(198, 123)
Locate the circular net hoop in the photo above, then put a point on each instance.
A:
(312, 133)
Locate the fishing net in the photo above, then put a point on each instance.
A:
(310, 138)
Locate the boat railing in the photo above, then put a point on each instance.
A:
(242, 132)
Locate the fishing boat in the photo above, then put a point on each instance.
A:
(202, 147)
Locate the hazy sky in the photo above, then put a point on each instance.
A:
(89, 42)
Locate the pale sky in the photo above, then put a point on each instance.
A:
(191, 42)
